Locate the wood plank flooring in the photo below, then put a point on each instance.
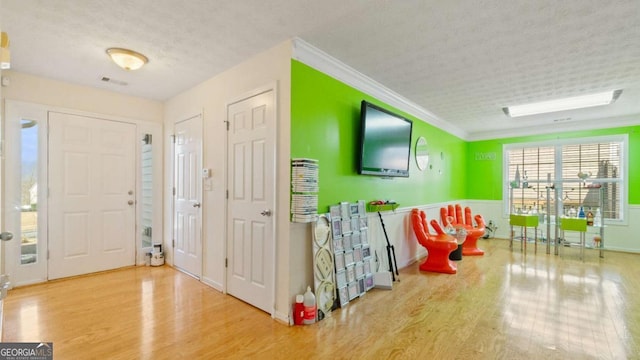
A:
(504, 305)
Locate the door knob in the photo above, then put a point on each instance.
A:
(6, 236)
(266, 212)
(196, 205)
(130, 202)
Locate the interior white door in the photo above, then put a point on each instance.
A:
(92, 199)
(188, 189)
(251, 181)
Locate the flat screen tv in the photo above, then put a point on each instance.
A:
(385, 142)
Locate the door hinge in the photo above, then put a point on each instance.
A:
(47, 254)
(174, 191)
(227, 125)
(173, 242)
(227, 194)
(173, 139)
(226, 262)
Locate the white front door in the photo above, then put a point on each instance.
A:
(188, 189)
(251, 181)
(92, 201)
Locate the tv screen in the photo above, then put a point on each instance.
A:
(385, 140)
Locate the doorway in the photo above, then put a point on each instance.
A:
(37, 178)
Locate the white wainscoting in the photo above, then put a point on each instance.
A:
(617, 237)
(624, 237)
(401, 235)
(491, 210)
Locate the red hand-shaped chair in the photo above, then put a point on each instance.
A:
(470, 246)
(438, 246)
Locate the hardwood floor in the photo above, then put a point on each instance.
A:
(504, 305)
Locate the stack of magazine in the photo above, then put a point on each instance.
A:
(304, 190)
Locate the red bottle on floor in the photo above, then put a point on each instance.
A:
(298, 310)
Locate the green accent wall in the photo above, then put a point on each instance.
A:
(484, 161)
(325, 125)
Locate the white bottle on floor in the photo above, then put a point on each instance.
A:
(310, 308)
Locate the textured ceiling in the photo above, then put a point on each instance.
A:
(461, 60)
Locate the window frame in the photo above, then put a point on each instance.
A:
(623, 178)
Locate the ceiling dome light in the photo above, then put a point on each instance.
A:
(127, 59)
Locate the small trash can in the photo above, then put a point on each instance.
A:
(461, 236)
(456, 254)
(157, 259)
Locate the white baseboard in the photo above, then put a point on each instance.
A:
(214, 284)
(284, 318)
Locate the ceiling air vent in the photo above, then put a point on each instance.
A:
(114, 81)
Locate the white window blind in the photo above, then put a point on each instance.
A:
(533, 163)
(599, 161)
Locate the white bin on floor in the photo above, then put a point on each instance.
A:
(157, 259)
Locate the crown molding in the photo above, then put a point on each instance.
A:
(323, 62)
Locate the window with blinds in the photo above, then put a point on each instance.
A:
(582, 170)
